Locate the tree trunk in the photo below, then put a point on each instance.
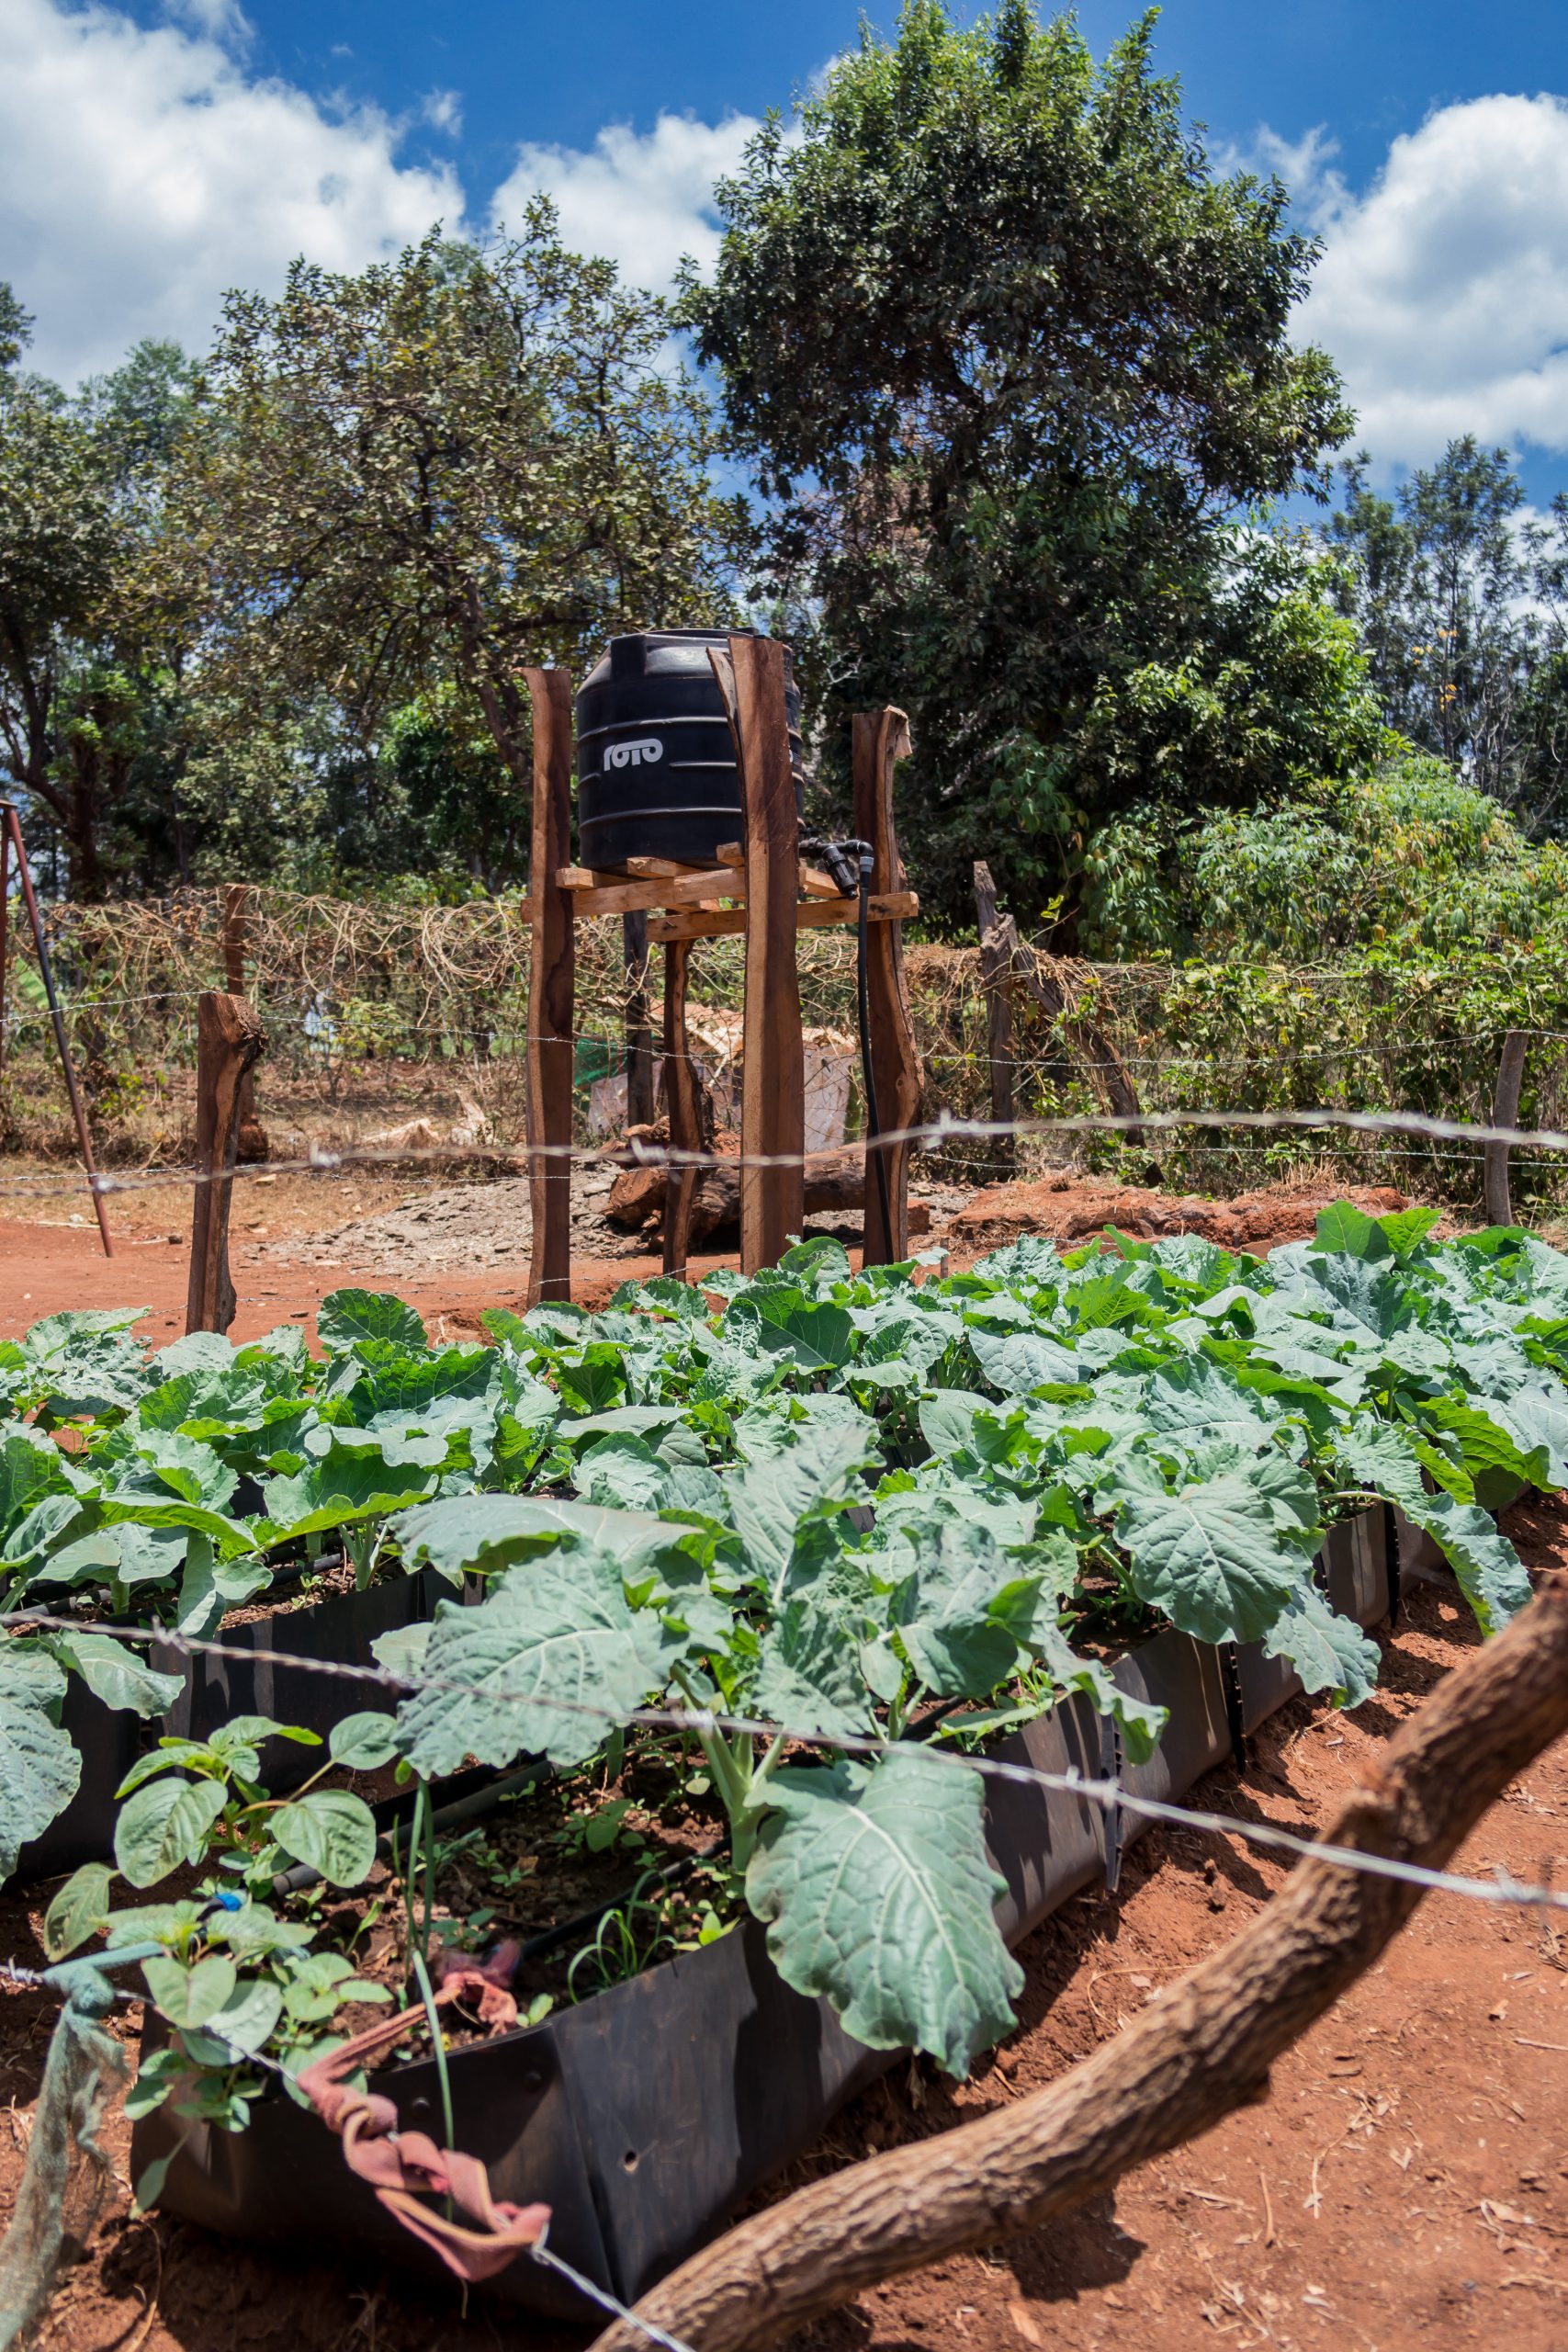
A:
(1202, 2047)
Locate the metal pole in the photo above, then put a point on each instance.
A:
(13, 827)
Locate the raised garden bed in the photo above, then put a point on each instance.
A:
(340, 1628)
(644, 2116)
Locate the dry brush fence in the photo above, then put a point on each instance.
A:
(361, 998)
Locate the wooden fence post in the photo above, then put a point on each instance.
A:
(682, 1101)
(551, 984)
(773, 1081)
(13, 827)
(999, 955)
(229, 1037)
(1494, 1183)
(878, 741)
(639, 1034)
(5, 925)
(252, 1143)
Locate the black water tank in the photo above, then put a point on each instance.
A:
(656, 772)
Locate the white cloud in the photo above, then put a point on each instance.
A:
(1443, 289)
(142, 173)
(222, 19)
(443, 109)
(642, 198)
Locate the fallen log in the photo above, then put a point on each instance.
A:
(1200, 2049)
(834, 1180)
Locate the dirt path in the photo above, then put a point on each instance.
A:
(44, 1268)
(1404, 2187)
(454, 1249)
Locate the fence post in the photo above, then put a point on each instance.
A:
(998, 950)
(1494, 1183)
(879, 740)
(13, 826)
(229, 1037)
(639, 1032)
(5, 925)
(551, 984)
(252, 1143)
(683, 1103)
(772, 1076)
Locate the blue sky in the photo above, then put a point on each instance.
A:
(152, 152)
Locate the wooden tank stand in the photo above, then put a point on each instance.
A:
(757, 886)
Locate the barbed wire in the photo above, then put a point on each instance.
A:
(931, 1135)
(1109, 1795)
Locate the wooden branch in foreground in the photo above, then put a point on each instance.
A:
(1201, 2049)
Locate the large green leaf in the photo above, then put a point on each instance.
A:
(332, 1830)
(1023, 1360)
(1349, 1230)
(238, 2028)
(39, 1768)
(489, 1531)
(121, 1676)
(346, 1317)
(163, 1824)
(965, 1612)
(817, 1339)
(770, 1500)
(1210, 1557)
(1141, 1723)
(1330, 1652)
(559, 1630)
(1197, 1403)
(351, 1481)
(1489, 1570)
(189, 1997)
(808, 1676)
(879, 1894)
(78, 1910)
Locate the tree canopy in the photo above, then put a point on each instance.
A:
(445, 467)
(1008, 355)
(1461, 599)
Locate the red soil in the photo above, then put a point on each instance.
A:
(1071, 1208)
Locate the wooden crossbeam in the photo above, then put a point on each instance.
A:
(811, 914)
(598, 894)
(689, 886)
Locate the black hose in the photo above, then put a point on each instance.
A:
(863, 999)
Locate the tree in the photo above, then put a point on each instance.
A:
(1461, 602)
(84, 691)
(447, 466)
(1409, 858)
(1006, 357)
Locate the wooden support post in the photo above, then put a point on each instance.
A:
(234, 899)
(229, 1037)
(773, 1080)
(12, 825)
(551, 982)
(879, 740)
(639, 1036)
(4, 926)
(683, 1101)
(1505, 1113)
(998, 951)
(252, 1143)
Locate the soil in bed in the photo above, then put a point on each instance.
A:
(568, 1885)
